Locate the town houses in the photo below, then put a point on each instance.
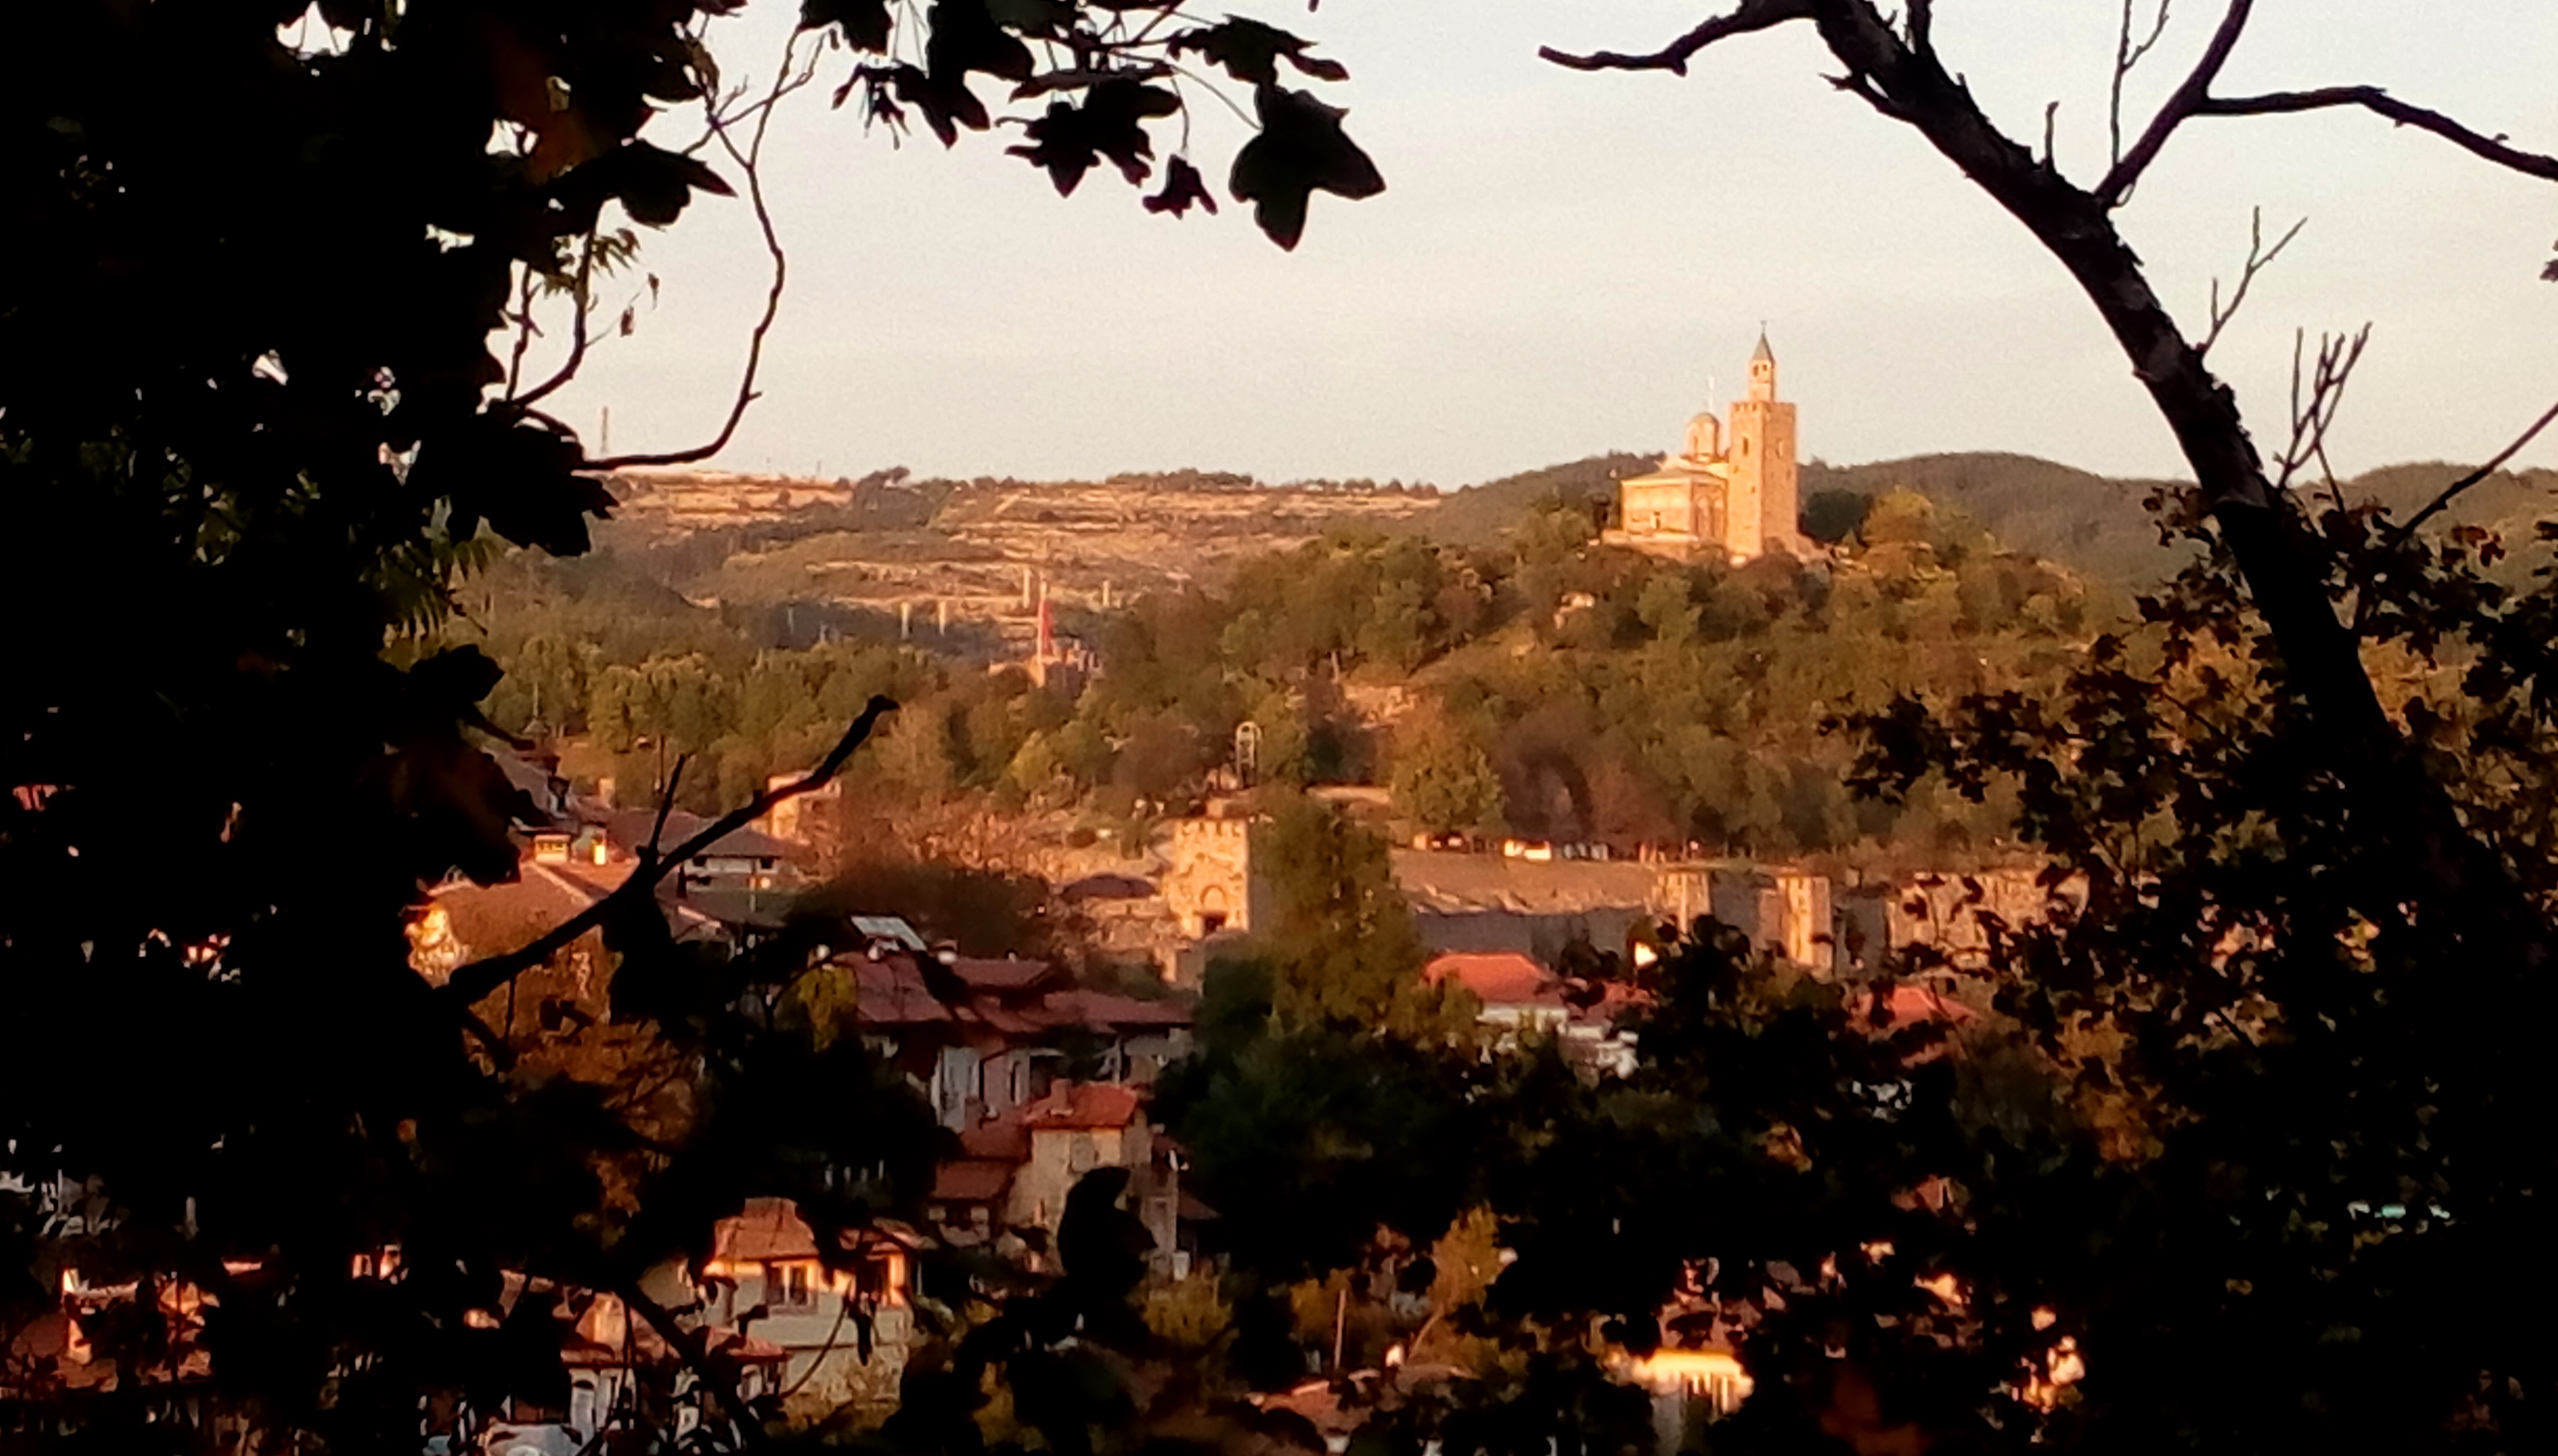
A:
(1036, 1074)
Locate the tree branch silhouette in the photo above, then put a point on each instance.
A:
(2259, 257)
(1753, 15)
(748, 160)
(2455, 488)
(691, 1346)
(2284, 565)
(665, 806)
(2378, 101)
(2128, 53)
(2194, 99)
(584, 295)
(469, 984)
(2313, 408)
(2189, 94)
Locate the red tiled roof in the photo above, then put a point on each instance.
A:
(1011, 974)
(1498, 978)
(1908, 1003)
(1018, 1025)
(766, 1228)
(1002, 1140)
(1102, 1009)
(1072, 1105)
(603, 879)
(891, 991)
(972, 1180)
(490, 920)
(769, 1229)
(631, 827)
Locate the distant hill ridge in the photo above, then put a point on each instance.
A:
(2096, 524)
(888, 536)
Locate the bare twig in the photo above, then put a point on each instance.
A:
(1752, 15)
(469, 984)
(2051, 116)
(2317, 397)
(748, 160)
(728, 113)
(2259, 257)
(2453, 491)
(2194, 99)
(1213, 89)
(2128, 53)
(525, 332)
(2190, 96)
(584, 297)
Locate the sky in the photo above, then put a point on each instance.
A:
(1568, 263)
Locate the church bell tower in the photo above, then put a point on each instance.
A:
(1764, 508)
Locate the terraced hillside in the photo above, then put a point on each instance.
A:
(980, 550)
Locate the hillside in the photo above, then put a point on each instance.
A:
(2096, 524)
(1478, 515)
(982, 550)
(1370, 634)
(2093, 524)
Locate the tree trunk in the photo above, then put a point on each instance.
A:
(2432, 858)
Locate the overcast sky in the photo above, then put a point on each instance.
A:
(1567, 264)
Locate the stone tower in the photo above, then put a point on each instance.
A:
(1765, 507)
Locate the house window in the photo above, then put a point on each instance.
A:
(876, 1282)
(789, 1287)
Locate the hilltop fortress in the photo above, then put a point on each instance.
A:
(1732, 490)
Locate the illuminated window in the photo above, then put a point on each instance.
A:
(789, 1287)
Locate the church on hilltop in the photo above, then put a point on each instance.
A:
(1733, 490)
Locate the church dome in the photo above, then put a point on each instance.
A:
(1704, 437)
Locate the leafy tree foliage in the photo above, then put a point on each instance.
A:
(259, 403)
(1557, 689)
(1341, 946)
(1442, 780)
(2219, 1157)
(2234, 1153)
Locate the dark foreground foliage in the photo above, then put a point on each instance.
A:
(264, 390)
